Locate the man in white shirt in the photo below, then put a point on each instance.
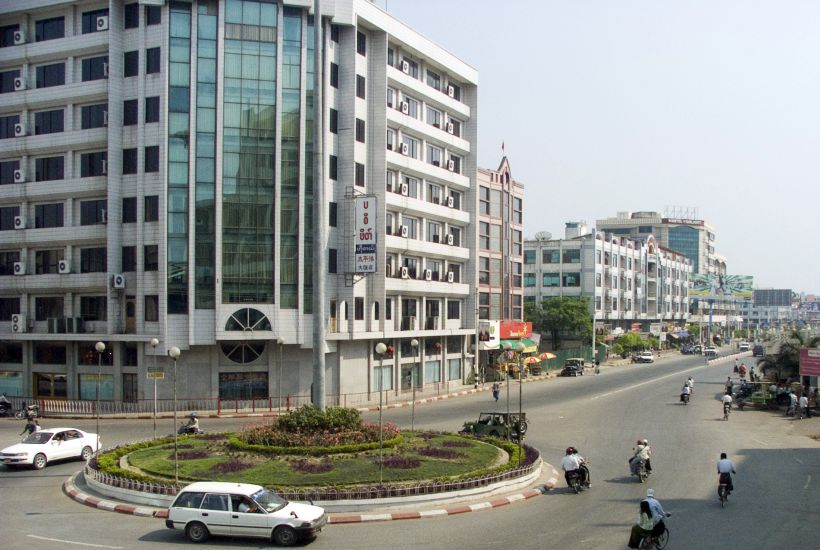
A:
(641, 452)
(571, 464)
(804, 407)
(657, 512)
(725, 469)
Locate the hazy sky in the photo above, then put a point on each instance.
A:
(612, 105)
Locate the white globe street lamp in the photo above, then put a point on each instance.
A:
(100, 347)
(381, 349)
(154, 344)
(173, 353)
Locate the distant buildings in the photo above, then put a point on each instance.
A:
(770, 308)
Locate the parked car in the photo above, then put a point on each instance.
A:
(572, 370)
(574, 362)
(40, 448)
(496, 424)
(645, 357)
(745, 346)
(208, 508)
(758, 351)
(709, 351)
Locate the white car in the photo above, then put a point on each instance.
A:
(40, 448)
(709, 351)
(745, 346)
(645, 357)
(242, 510)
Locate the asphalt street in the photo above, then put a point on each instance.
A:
(775, 502)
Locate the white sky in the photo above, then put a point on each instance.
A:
(612, 105)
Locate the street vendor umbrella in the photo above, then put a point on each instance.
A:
(531, 360)
(547, 355)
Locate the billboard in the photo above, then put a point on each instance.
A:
(809, 362)
(364, 239)
(489, 335)
(515, 329)
(717, 287)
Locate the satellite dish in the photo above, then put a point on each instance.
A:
(543, 235)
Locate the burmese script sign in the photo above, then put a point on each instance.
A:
(365, 235)
(809, 362)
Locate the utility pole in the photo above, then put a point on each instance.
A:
(319, 208)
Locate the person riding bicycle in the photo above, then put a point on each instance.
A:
(571, 464)
(643, 528)
(725, 469)
(641, 453)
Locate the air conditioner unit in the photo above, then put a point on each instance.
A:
(405, 150)
(403, 230)
(451, 91)
(102, 22)
(19, 176)
(20, 129)
(450, 240)
(451, 165)
(19, 222)
(19, 37)
(450, 128)
(405, 108)
(451, 202)
(20, 84)
(19, 268)
(405, 67)
(104, 167)
(105, 69)
(428, 275)
(18, 322)
(405, 189)
(105, 118)
(104, 215)
(118, 281)
(450, 277)
(64, 267)
(405, 273)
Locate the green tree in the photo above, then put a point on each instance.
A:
(694, 330)
(561, 317)
(785, 362)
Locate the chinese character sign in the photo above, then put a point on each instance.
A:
(365, 238)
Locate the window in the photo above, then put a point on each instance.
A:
(332, 260)
(412, 146)
(333, 214)
(7, 215)
(49, 29)
(48, 122)
(50, 75)
(89, 23)
(433, 117)
(334, 121)
(359, 174)
(484, 235)
(483, 271)
(131, 64)
(360, 130)
(334, 33)
(434, 193)
(151, 60)
(412, 107)
(8, 307)
(47, 261)
(93, 308)
(456, 91)
(151, 208)
(129, 258)
(48, 169)
(434, 155)
(129, 161)
(529, 257)
(151, 308)
(334, 75)
(7, 39)
(7, 80)
(46, 307)
(151, 109)
(48, 215)
(456, 160)
(93, 212)
(129, 209)
(333, 168)
(598, 279)
(358, 308)
(93, 116)
(95, 68)
(153, 15)
(361, 84)
(529, 279)
(391, 134)
(571, 279)
(93, 164)
(433, 80)
(433, 232)
(412, 67)
(93, 260)
(131, 16)
(7, 169)
(130, 114)
(551, 280)
(152, 159)
(150, 257)
(453, 309)
(361, 43)
(7, 126)
(550, 256)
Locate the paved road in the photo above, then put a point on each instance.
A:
(603, 415)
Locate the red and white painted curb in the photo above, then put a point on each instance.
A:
(148, 511)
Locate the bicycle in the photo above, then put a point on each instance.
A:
(659, 542)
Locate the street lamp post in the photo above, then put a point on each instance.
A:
(519, 347)
(279, 342)
(154, 344)
(381, 349)
(173, 353)
(507, 347)
(100, 347)
(415, 345)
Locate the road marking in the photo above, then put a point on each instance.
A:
(613, 392)
(806, 486)
(73, 542)
(761, 442)
(797, 460)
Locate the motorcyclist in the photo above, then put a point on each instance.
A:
(584, 466)
(192, 426)
(685, 391)
(641, 453)
(5, 405)
(571, 464)
(727, 403)
(725, 469)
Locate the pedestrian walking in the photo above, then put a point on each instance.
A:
(30, 426)
(804, 407)
(792, 409)
(597, 367)
(496, 391)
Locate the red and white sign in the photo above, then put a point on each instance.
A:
(365, 237)
(515, 329)
(809, 362)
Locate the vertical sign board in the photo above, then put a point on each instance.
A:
(809, 362)
(364, 253)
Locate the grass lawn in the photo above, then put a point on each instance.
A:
(429, 456)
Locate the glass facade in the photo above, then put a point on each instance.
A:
(249, 137)
(179, 70)
(307, 254)
(685, 240)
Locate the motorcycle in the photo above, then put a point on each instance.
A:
(574, 479)
(28, 411)
(189, 430)
(638, 468)
(7, 410)
(727, 408)
(723, 491)
(684, 398)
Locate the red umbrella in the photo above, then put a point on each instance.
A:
(547, 355)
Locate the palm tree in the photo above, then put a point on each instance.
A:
(785, 362)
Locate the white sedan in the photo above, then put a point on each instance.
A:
(40, 448)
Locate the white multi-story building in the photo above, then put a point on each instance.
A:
(156, 164)
(626, 280)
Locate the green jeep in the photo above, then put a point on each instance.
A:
(497, 424)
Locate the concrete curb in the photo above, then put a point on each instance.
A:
(70, 489)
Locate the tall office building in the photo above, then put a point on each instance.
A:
(156, 161)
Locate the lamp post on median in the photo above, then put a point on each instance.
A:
(381, 349)
(100, 347)
(173, 353)
(415, 345)
(279, 341)
(519, 347)
(154, 344)
(507, 356)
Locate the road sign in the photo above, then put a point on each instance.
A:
(156, 375)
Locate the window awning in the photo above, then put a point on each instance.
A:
(529, 345)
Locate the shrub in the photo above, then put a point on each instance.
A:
(232, 465)
(308, 467)
(434, 452)
(400, 463)
(273, 435)
(309, 419)
(189, 455)
(457, 443)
